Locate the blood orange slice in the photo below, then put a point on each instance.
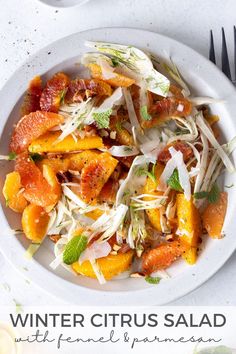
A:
(37, 189)
(54, 92)
(32, 97)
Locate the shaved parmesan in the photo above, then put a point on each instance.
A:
(95, 251)
(210, 136)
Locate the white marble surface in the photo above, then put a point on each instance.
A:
(27, 25)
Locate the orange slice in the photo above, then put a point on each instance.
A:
(214, 216)
(118, 80)
(49, 143)
(110, 266)
(95, 174)
(12, 191)
(34, 223)
(162, 256)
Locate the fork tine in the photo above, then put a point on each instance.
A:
(235, 53)
(212, 56)
(224, 57)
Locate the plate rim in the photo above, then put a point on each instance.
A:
(35, 265)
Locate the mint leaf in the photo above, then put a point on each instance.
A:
(201, 195)
(144, 113)
(152, 280)
(173, 181)
(12, 156)
(214, 194)
(74, 248)
(143, 172)
(34, 156)
(102, 118)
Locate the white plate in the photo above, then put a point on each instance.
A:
(205, 79)
(64, 3)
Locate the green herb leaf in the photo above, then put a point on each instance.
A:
(62, 96)
(74, 248)
(119, 126)
(115, 62)
(144, 172)
(152, 280)
(103, 118)
(214, 194)
(34, 156)
(144, 113)
(173, 181)
(12, 156)
(201, 195)
(7, 202)
(18, 306)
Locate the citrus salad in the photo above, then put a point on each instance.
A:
(118, 168)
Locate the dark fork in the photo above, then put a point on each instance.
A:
(224, 55)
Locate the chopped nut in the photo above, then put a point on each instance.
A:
(54, 238)
(116, 247)
(114, 253)
(103, 133)
(136, 275)
(113, 135)
(139, 252)
(169, 237)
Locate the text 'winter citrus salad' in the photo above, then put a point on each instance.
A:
(118, 168)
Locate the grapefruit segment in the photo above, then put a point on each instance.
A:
(30, 127)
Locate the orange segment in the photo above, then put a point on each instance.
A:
(49, 143)
(150, 188)
(54, 92)
(57, 164)
(37, 189)
(118, 80)
(94, 214)
(31, 127)
(162, 256)
(78, 161)
(214, 216)
(110, 266)
(189, 226)
(50, 176)
(34, 223)
(95, 174)
(12, 192)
